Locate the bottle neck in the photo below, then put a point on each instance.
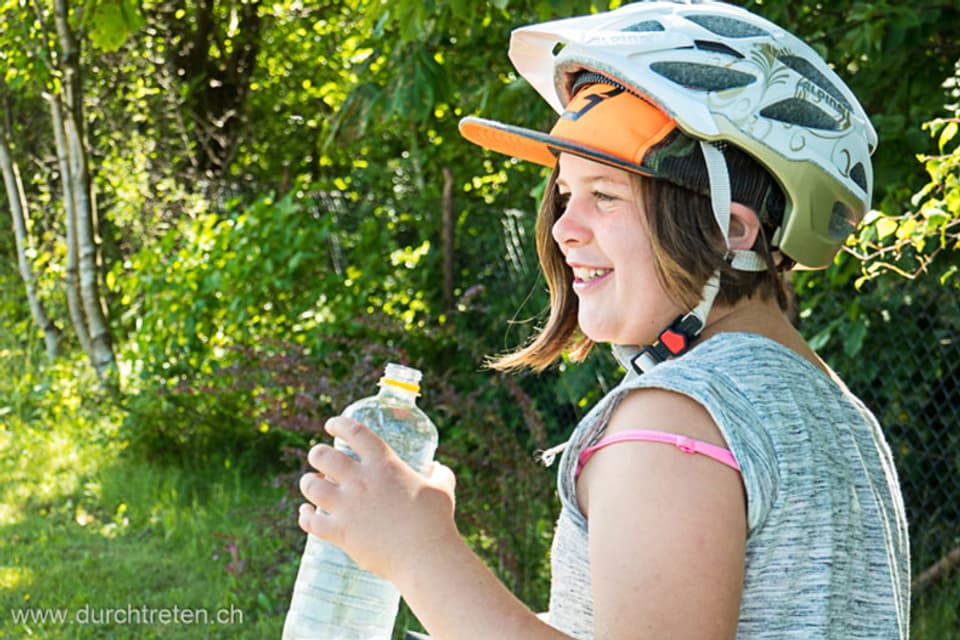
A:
(388, 388)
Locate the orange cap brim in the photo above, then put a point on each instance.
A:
(602, 122)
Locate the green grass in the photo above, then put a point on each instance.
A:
(128, 549)
(936, 611)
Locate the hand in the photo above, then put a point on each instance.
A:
(381, 512)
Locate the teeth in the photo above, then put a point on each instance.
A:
(586, 275)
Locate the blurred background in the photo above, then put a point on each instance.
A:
(226, 216)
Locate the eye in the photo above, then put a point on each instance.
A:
(562, 200)
(604, 201)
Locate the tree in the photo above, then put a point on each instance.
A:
(212, 51)
(17, 201)
(287, 178)
(90, 321)
(56, 70)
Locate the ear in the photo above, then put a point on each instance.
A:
(744, 226)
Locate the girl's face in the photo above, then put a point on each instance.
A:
(603, 235)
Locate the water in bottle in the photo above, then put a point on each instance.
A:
(333, 598)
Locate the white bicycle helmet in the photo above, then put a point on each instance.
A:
(725, 74)
(661, 88)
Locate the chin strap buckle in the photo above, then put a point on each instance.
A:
(672, 342)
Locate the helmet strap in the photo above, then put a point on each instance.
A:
(721, 198)
(680, 335)
(677, 338)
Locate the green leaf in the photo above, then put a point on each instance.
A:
(296, 260)
(948, 274)
(948, 134)
(112, 23)
(886, 227)
(822, 337)
(936, 218)
(906, 229)
(853, 339)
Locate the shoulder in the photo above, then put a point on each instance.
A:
(733, 368)
(653, 409)
(676, 411)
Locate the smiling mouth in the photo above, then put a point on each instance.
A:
(583, 275)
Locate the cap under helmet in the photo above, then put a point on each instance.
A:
(724, 74)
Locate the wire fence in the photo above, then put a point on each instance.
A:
(907, 370)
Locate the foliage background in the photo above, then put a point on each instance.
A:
(285, 205)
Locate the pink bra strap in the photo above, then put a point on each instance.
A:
(685, 444)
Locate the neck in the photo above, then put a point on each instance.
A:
(752, 315)
(761, 317)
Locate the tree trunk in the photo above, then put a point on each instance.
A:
(217, 86)
(448, 240)
(74, 302)
(949, 562)
(101, 340)
(24, 243)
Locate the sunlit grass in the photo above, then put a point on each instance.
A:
(110, 540)
(12, 578)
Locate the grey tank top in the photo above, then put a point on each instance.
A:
(827, 554)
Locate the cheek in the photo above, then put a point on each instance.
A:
(641, 288)
(633, 248)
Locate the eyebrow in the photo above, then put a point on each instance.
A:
(594, 179)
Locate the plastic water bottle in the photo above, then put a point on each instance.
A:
(333, 598)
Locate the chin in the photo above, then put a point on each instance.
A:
(608, 335)
(598, 333)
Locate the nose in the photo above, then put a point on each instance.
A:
(571, 229)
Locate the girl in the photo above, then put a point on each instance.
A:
(730, 486)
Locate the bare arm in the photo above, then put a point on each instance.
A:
(667, 529)
(456, 597)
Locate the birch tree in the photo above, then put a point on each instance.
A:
(19, 211)
(79, 203)
(72, 288)
(48, 61)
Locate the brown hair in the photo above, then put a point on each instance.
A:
(687, 249)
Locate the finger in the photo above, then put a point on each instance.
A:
(315, 521)
(319, 491)
(331, 463)
(364, 442)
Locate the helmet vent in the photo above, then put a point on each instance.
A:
(702, 77)
(646, 25)
(801, 113)
(808, 71)
(842, 222)
(717, 47)
(727, 27)
(859, 175)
